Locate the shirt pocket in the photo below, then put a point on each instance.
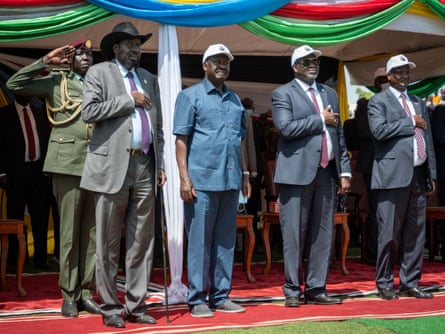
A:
(63, 146)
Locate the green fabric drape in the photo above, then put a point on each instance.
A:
(295, 32)
(40, 27)
(436, 6)
(427, 87)
(424, 87)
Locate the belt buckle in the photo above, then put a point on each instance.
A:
(135, 152)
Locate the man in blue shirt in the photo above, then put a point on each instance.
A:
(210, 124)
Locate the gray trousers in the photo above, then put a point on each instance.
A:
(134, 207)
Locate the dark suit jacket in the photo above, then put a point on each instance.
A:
(366, 145)
(301, 128)
(393, 135)
(12, 141)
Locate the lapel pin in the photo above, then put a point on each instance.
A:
(145, 81)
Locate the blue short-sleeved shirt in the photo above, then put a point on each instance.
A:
(215, 125)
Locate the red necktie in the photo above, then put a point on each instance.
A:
(324, 161)
(421, 152)
(30, 136)
(144, 118)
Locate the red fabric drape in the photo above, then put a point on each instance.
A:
(333, 12)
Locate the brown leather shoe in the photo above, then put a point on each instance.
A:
(141, 319)
(415, 292)
(88, 305)
(69, 309)
(114, 320)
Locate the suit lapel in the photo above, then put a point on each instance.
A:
(303, 95)
(416, 104)
(324, 96)
(144, 82)
(394, 101)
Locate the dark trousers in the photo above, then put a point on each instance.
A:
(31, 190)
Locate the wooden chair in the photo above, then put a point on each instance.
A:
(245, 223)
(434, 214)
(270, 217)
(12, 226)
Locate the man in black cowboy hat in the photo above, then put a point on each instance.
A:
(124, 167)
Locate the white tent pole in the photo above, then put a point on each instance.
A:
(169, 76)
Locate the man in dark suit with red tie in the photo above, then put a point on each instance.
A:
(312, 166)
(24, 133)
(403, 172)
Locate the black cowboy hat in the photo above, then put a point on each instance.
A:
(123, 30)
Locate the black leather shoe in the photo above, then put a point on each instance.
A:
(69, 309)
(292, 302)
(89, 305)
(114, 320)
(415, 292)
(141, 319)
(322, 299)
(387, 294)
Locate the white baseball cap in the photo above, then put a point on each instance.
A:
(398, 61)
(216, 49)
(303, 51)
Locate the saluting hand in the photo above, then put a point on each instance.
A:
(62, 55)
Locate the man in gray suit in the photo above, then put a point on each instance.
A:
(124, 166)
(312, 160)
(403, 171)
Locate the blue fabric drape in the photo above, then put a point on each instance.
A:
(203, 14)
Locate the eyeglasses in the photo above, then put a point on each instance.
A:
(309, 61)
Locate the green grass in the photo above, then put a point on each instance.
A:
(426, 325)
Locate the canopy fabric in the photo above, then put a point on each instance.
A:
(196, 13)
(335, 21)
(307, 11)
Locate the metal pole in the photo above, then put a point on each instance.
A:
(164, 257)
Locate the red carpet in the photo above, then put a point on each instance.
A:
(42, 304)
